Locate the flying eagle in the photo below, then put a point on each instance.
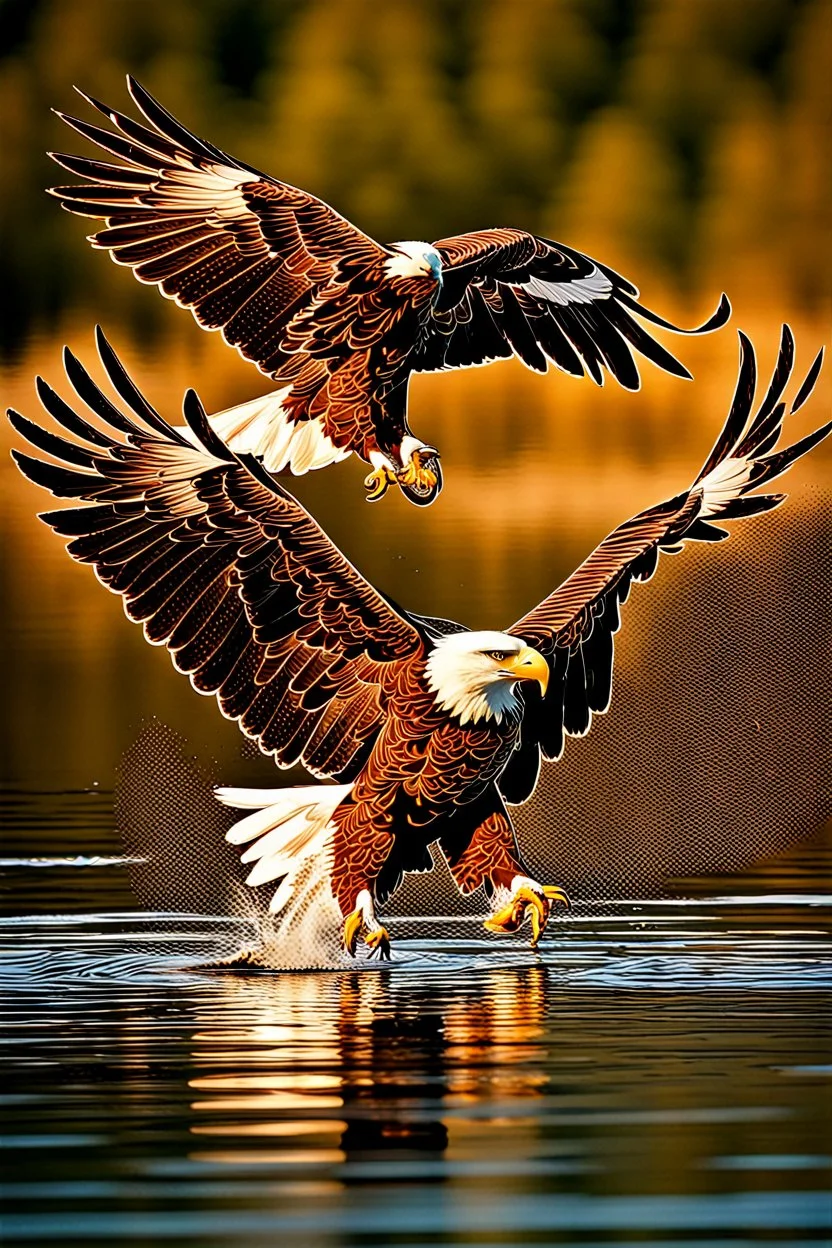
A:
(337, 320)
(428, 729)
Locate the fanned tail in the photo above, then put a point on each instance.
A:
(261, 427)
(287, 829)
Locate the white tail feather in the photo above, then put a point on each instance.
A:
(288, 828)
(270, 803)
(260, 427)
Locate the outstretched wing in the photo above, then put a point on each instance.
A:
(508, 293)
(226, 569)
(243, 251)
(575, 625)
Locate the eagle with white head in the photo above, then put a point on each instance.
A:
(338, 321)
(428, 730)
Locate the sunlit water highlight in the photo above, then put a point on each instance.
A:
(655, 1074)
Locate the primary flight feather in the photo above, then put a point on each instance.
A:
(428, 729)
(337, 320)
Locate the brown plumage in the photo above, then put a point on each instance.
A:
(427, 729)
(337, 320)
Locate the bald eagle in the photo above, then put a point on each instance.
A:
(427, 729)
(338, 321)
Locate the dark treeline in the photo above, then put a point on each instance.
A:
(684, 140)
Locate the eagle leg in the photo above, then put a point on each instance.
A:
(489, 856)
(353, 924)
(419, 477)
(378, 941)
(529, 900)
(378, 482)
(363, 920)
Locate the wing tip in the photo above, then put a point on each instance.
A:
(197, 421)
(746, 345)
(16, 420)
(37, 471)
(106, 352)
(88, 99)
(809, 382)
(720, 317)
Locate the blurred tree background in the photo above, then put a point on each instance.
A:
(686, 142)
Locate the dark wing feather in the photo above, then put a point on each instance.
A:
(577, 313)
(575, 626)
(243, 251)
(228, 571)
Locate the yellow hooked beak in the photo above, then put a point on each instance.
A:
(529, 664)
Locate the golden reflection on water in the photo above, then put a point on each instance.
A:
(538, 469)
(289, 1127)
(466, 1100)
(505, 1070)
(390, 1072)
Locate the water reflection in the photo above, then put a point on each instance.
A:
(362, 1070)
(400, 1063)
(411, 1107)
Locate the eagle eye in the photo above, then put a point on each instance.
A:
(498, 655)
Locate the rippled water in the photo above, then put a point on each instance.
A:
(658, 1073)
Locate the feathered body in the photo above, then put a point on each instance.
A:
(337, 320)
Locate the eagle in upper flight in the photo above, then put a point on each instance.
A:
(337, 320)
(428, 729)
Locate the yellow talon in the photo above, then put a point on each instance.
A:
(527, 903)
(377, 939)
(378, 482)
(408, 475)
(352, 927)
(423, 478)
(539, 916)
(554, 893)
(501, 921)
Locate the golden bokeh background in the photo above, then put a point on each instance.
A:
(684, 143)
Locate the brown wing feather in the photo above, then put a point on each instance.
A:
(575, 625)
(243, 251)
(231, 574)
(510, 292)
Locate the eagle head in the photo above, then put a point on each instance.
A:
(412, 259)
(474, 675)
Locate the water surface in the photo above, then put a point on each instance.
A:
(656, 1074)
